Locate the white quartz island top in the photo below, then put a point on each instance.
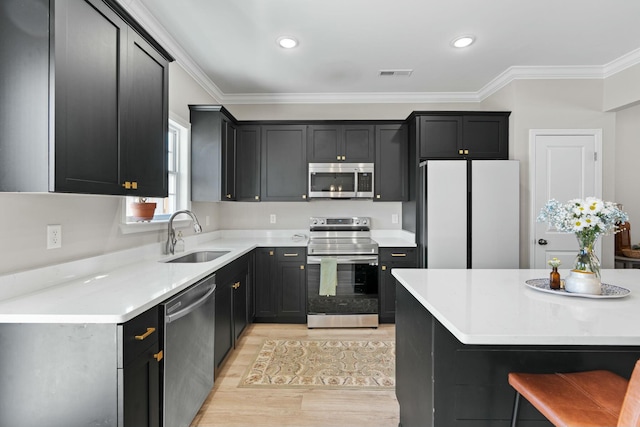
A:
(495, 307)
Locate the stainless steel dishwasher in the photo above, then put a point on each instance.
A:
(188, 352)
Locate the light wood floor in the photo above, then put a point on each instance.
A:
(231, 406)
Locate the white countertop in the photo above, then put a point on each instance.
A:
(495, 307)
(116, 287)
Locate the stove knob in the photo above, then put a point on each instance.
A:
(314, 221)
(357, 222)
(364, 222)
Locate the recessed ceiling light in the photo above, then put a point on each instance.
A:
(287, 42)
(463, 41)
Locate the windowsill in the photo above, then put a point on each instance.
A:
(157, 225)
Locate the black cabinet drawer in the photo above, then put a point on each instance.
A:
(298, 254)
(140, 333)
(398, 254)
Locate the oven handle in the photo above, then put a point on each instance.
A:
(353, 259)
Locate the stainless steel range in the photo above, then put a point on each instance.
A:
(342, 273)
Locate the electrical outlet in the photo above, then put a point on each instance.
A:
(394, 218)
(272, 218)
(54, 236)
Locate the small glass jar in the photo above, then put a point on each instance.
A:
(554, 278)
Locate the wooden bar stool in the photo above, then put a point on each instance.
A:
(584, 399)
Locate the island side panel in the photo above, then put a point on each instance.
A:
(58, 375)
(414, 337)
(442, 382)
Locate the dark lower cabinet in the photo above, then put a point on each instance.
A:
(232, 306)
(391, 258)
(141, 376)
(142, 389)
(281, 285)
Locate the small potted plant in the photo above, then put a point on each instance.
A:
(143, 210)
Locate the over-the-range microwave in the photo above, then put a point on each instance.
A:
(341, 180)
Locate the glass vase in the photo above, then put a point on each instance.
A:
(586, 260)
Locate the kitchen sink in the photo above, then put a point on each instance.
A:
(200, 256)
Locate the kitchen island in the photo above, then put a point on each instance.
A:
(460, 332)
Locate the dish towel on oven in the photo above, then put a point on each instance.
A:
(328, 276)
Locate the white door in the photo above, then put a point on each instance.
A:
(565, 165)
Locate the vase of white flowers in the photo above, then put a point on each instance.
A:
(588, 219)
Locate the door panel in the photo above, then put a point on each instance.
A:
(564, 167)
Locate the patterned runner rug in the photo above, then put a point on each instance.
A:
(323, 363)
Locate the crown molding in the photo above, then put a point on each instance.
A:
(142, 14)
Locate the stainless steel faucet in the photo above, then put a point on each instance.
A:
(171, 238)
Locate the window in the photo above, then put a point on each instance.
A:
(178, 179)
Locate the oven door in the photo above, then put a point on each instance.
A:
(356, 289)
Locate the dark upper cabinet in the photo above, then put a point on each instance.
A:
(214, 135)
(391, 173)
(229, 150)
(352, 143)
(248, 164)
(105, 85)
(284, 163)
(463, 135)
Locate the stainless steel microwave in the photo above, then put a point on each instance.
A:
(341, 180)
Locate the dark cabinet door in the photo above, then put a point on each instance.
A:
(223, 327)
(248, 164)
(358, 144)
(392, 163)
(291, 282)
(440, 136)
(341, 143)
(146, 118)
(284, 163)
(229, 147)
(486, 136)
(265, 299)
(391, 258)
(89, 48)
(324, 144)
(141, 378)
(240, 294)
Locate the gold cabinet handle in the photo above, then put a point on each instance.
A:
(460, 151)
(384, 268)
(228, 196)
(466, 151)
(338, 157)
(146, 334)
(236, 285)
(291, 254)
(270, 253)
(257, 197)
(377, 196)
(302, 267)
(134, 185)
(344, 157)
(399, 254)
(304, 196)
(158, 356)
(126, 185)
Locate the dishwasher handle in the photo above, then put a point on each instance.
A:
(178, 314)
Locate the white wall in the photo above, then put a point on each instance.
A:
(627, 166)
(534, 105)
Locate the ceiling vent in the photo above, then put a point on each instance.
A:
(395, 73)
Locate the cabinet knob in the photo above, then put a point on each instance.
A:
(377, 196)
(158, 356)
(338, 157)
(236, 285)
(270, 253)
(466, 151)
(344, 157)
(257, 197)
(304, 196)
(302, 267)
(127, 185)
(384, 268)
(146, 334)
(228, 196)
(460, 151)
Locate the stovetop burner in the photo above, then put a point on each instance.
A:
(340, 236)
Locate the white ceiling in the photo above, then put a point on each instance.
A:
(230, 45)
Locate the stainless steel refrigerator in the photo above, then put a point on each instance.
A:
(470, 214)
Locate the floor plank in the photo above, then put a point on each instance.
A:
(231, 406)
